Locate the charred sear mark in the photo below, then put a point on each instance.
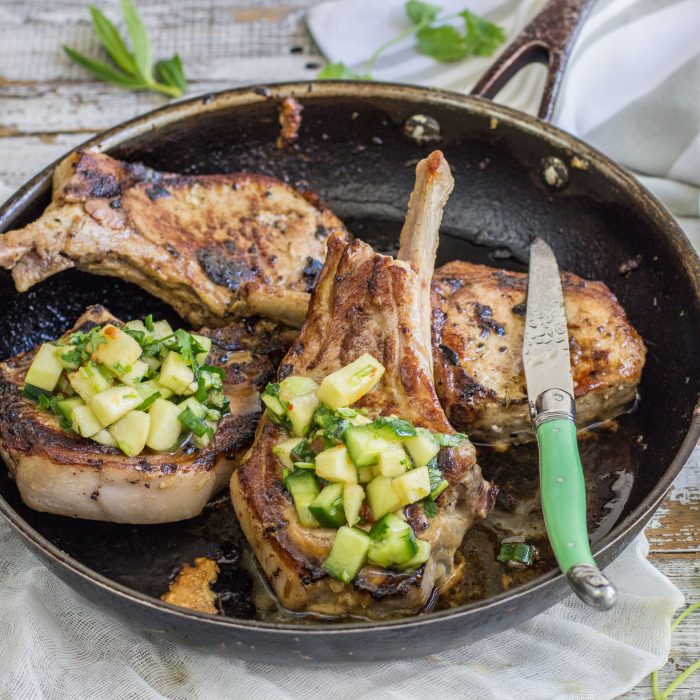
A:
(311, 273)
(99, 185)
(321, 233)
(451, 356)
(221, 269)
(171, 250)
(156, 191)
(484, 315)
(520, 309)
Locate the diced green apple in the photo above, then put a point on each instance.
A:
(131, 432)
(119, 348)
(350, 383)
(412, 486)
(113, 403)
(165, 427)
(422, 448)
(175, 373)
(88, 381)
(84, 421)
(334, 464)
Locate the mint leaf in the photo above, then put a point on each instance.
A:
(482, 37)
(421, 12)
(430, 508)
(171, 73)
(108, 34)
(140, 43)
(339, 71)
(103, 70)
(444, 44)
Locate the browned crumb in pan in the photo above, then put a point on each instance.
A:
(192, 587)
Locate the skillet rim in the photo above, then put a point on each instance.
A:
(228, 99)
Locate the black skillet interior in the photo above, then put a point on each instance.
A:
(352, 151)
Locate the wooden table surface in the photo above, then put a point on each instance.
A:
(48, 106)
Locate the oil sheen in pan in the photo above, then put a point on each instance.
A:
(147, 558)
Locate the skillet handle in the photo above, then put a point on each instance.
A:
(548, 39)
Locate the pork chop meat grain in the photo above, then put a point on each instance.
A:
(212, 246)
(57, 471)
(366, 302)
(478, 326)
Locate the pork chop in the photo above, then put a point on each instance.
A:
(212, 246)
(366, 303)
(478, 326)
(57, 471)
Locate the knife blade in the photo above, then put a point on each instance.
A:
(550, 392)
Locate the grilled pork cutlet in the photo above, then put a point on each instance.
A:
(212, 246)
(57, 471)
(478, 326)
(366, 303)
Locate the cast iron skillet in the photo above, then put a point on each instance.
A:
(352, 151)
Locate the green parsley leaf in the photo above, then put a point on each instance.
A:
(421, 12)
(103, 71)
(444, 44)
(482, 37)
(171, 73)
(339, 71)
(109, 35)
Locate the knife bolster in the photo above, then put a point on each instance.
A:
(553, 404)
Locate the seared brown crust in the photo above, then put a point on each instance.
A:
(196, 241)
(364, 302)
(43, 457)
(478, 326)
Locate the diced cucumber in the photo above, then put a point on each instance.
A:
(412, 486)
(199, 410)
(422, 448)
(393, 542)
(303, 487)
(298, 395)
(161, 329)
(134, 373)
(46, 367)
(87, 381)
(393, 461)
(153, 362)
(381, 497)
(353, 496)
(365, 474)
(175, 373)
(274, 405)
(201, 357)
(119, 348)
(113, 403)
(203, 440)
(364, 446)
(165, 427)
(359, 419)
(348, 554)
(84, 421)
(327, 507)
(104, 437)
(136, 325)
(350, 383)
(334, 464)
(150, 387)
(283, 450)
(65, 407)
(131, 432)
(64, 386)
(422, 555)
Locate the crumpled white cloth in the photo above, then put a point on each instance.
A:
(54, 644)
(632, 87)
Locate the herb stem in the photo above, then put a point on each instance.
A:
(399, 37)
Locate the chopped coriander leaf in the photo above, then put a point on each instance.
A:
(219, 371)
(138, 336)
(399, 426)
(302, 452)
(272, 389)
(75, 357)
(430, 508)
(201, 393)
(447, 440)
(34, 392)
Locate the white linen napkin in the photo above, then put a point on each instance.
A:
(54, 644)
(632, 88)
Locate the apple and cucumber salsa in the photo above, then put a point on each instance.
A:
(131, 387)
(355, 474)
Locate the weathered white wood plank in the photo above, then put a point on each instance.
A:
(211, 36)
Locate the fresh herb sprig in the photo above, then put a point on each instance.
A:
(132, 70)
(443, 42)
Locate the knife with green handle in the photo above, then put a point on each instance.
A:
(550, 392)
